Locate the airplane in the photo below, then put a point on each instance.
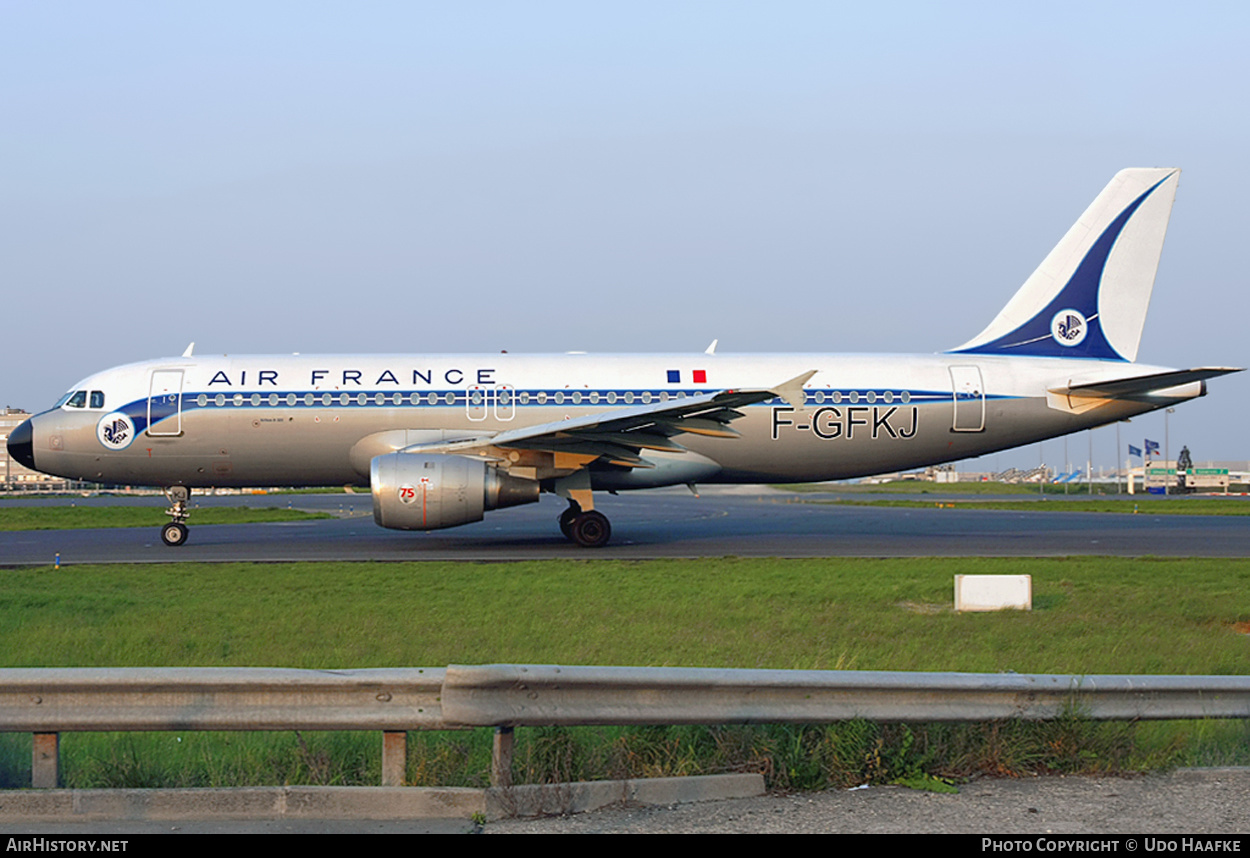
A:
(442, 439)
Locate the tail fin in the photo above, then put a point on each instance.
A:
(1089, 296)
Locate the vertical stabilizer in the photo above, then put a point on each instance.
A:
(1089, 296)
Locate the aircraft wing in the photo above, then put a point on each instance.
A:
(620, 434)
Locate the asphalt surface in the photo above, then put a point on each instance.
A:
(748, 522)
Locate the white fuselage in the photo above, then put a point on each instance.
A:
(319, 420)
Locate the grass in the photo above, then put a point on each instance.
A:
(1092, 615)
(924, 487)
(912, 487)
(76, 517)
(806, 757)
(1161, 506)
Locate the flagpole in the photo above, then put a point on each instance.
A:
(1167, 450)
(1117, 452)
(1041, 463)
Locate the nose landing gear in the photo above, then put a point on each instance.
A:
(175, 532)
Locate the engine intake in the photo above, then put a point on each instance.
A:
(416, 492)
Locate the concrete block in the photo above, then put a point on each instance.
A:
(559, 799)
(993, 592)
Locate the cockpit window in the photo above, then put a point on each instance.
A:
(80, 398)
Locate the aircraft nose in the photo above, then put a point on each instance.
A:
(22, 445)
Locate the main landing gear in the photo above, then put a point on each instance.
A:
(175, 532)
(588, 529)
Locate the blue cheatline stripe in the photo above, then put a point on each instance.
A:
(1033, 338)
(138, 409)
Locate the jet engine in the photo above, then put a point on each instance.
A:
(416, 492)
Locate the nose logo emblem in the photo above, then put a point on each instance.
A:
(115, 431)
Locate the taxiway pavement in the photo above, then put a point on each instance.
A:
(754, 522)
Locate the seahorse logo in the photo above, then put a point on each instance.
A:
(1068, 327)
(115, 431)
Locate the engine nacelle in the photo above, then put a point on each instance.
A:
(415, 492)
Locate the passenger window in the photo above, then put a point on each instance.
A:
(97, 399)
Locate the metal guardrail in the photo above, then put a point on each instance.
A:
(219, 698)
(51, 701)
(47, 702)
(537, 695)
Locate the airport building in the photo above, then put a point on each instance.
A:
(15, 475)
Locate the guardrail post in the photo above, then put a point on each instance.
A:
(394, 757)
(44, 760)
(501, 758)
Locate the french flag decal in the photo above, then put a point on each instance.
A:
(700, 376)
(674, 376)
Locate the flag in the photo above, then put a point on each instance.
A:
(1151, 446)
(1134, 451)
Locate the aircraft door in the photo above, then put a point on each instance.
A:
(969, 398)
(165, 402)
(505, 402)
(477, 401)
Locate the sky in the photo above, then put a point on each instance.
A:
(281, 177)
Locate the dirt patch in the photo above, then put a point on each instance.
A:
(923, 607)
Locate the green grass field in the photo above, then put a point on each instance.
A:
(1160, 506)
(924, 487)
(918, 487)
(76, 517)
(1092, 615)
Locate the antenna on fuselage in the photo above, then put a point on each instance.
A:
(190, 349)
(711, 350)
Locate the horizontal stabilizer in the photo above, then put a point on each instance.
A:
(1142, 385)
(1086, 396)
